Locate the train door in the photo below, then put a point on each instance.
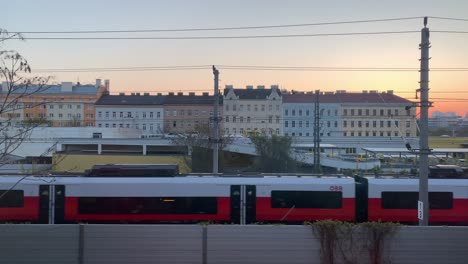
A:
(51, 204)
(243, 204)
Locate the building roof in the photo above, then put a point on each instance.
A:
(251, 94)
(345, 98)
(55, 89)
(130, 100)
(191, 99)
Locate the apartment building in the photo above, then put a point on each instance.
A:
(346, 114)
(299, 114)
(187, 113)
(252, 109)
(61, 105)
(374, 114)
(144, 112)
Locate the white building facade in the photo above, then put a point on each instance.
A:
(141, 112)
(252, 110)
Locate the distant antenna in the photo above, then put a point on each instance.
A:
(425, 21)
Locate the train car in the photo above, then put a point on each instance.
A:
(177, 199)
(395, 199)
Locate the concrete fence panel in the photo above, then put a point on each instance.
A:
(51, 244)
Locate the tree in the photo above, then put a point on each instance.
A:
(199, 145)
(273, 154)
(16, 89)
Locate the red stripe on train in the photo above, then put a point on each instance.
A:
(71, 214)
(29, 211)
(267, 213)
(458, 213)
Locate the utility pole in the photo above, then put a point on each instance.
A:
(216, 120)
(423, 203)
(317, 168)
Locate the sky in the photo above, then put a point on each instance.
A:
(449, 90)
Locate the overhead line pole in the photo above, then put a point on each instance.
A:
(317, 168)
(216, 120)
(423, 203)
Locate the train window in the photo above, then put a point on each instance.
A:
(409, 200)
(147, 205)
(11, 198)
(306, 199)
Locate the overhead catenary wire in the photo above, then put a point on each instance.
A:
(245, 67)
(227, 37)
(218, 28)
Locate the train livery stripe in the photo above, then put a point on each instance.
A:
(29, 211)
(266, 213)
(459, 213)
(71, 214)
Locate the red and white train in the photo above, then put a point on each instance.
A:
(221, 199)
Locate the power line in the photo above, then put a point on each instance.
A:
(226, 37)
(449, 18)
(216, 28)
(241, 67)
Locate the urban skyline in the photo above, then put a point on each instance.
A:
(362, 51)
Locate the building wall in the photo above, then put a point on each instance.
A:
(298, 119)
(81, 162)
(148, 119)
(184, 118)
(378, 120)
(262, 114)
(59, 105)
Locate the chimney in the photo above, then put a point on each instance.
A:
(340, 91)
(373, 91)
(138, 94)
(133, 94)
(5, 87)
(171, 94)
(107, 84)
(229, 86)
(249, 87)
(364, 91)
(390, 91)
(192, 94)
(98, 83)
(180, 94)
(67, 86)
(205, 94)
(260, 87)
(159, 94)
(146, 94)
(275, 87)
(121, 93)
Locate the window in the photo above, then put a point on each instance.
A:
(408, 124)
(241, 119)
(345, 112)
(227, 119)
(300, 112)
(359, 112)
(306, 199)
(389, 123)
(263, 108)
(293, 112)
(345, 123)
(374, 112)
(367, 112)
(51, 106)
(307, 112)
(352, 112)
(234, 119)
(300, 125)
(147, 205)
(293, 123)
(381, 112)
(255, 108)
(270, 108)
(11, 198)
(307, 123)
(396, 112)
(129, 114)
(121, 115)
(389, 112)
(286, 124)
(114, 114)
(248, 119)
(409, 200)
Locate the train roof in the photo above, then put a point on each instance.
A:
(192, 179)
